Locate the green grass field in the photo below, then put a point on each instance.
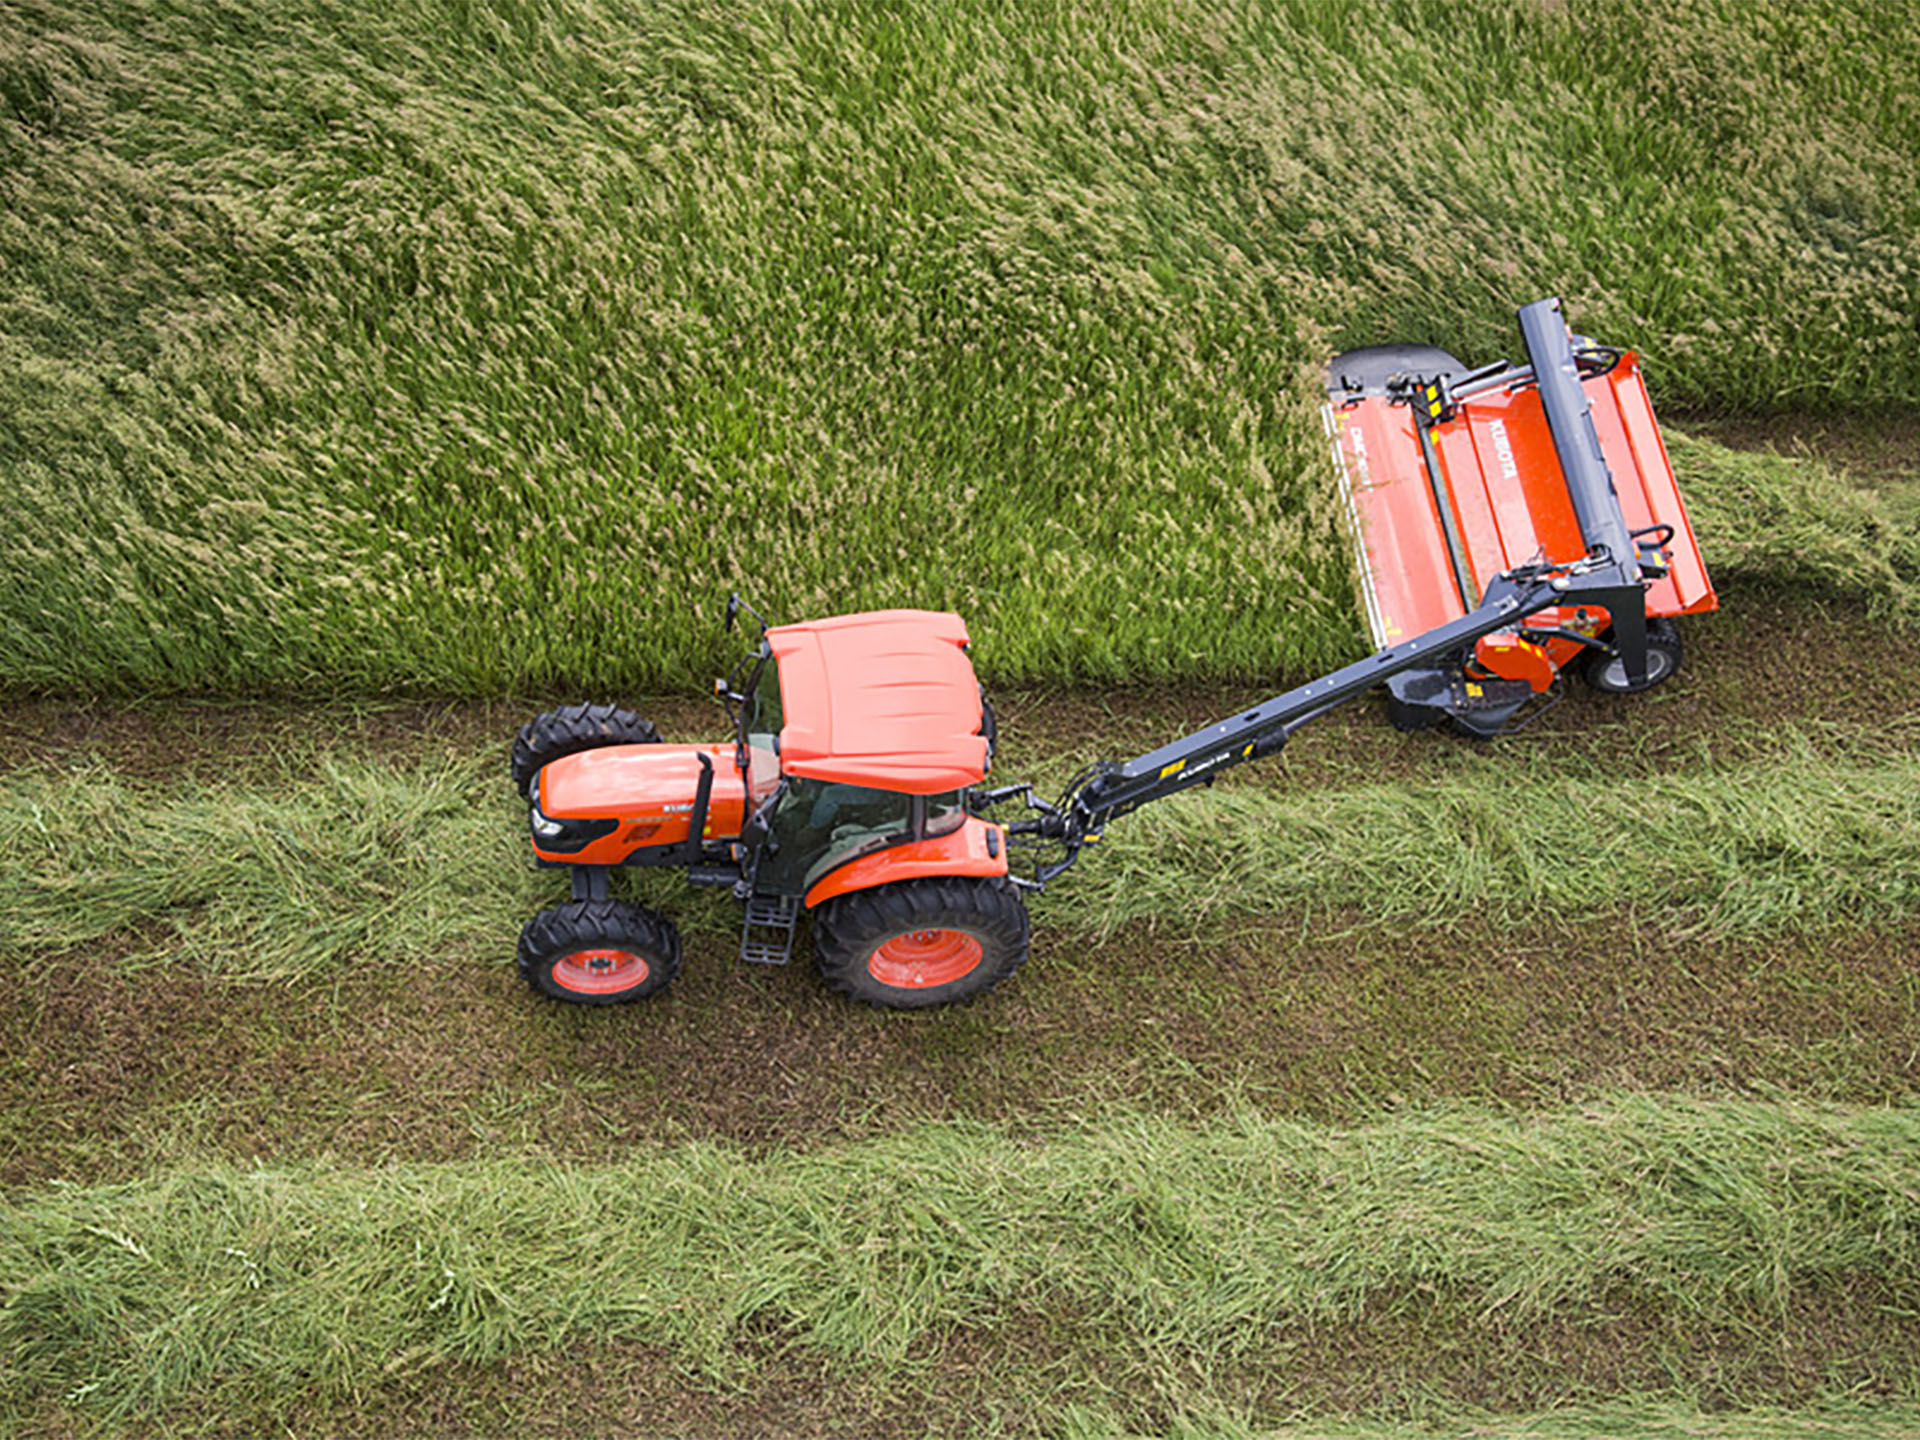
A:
(464, 347)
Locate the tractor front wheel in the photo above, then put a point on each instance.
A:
(919, 943)
(599, 952)
(568, 731)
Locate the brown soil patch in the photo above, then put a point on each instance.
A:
(1866, 676)
(1880, 450)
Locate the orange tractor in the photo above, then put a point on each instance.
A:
(1511, 520)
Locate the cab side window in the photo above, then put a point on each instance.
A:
(764, 719)
(819, 825)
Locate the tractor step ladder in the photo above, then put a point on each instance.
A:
(774, 918)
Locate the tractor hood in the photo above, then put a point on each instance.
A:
(605, 806)
(639, 783)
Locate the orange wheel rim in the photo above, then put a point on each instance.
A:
(599, 972)
(921, 959)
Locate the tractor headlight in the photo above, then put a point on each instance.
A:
(564, 837)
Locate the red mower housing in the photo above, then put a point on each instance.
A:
(1453, 476)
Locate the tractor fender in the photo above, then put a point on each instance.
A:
(978, 847)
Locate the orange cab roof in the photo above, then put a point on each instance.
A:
(886, 699)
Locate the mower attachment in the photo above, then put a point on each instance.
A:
(1452, 476)
(1495, 548)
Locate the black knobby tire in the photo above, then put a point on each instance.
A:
(902, 946)
(1410, 718)
(599, 952)
(989, 724)
(1608, 673)
(568, 731)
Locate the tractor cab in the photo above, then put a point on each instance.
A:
(857, 734)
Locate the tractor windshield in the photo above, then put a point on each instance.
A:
(760, 724)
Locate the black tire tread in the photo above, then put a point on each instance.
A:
(584, 924)
(571, 729)
(848, 927)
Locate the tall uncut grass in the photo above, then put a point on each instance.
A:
(301, 872)
(1178, 1246)
(465, 346)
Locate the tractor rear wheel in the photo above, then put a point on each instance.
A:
(599, 952)
(919, 943)
(1609, 672)
(568, 731)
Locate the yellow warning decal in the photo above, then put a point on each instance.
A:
(1473, 689)
(1177, 765)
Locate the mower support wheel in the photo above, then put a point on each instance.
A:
(568, 731)
(1608, 673)
(599, 952)
(920, 943)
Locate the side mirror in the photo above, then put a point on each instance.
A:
(735, 604)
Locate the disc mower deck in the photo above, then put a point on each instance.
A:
(1452, 476)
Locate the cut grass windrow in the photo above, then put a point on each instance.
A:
(1792, 845)
(461, 348)
(1191, 1248)
(356, 857)
(1795, 522)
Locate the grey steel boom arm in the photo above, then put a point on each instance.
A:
(1114, 789)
